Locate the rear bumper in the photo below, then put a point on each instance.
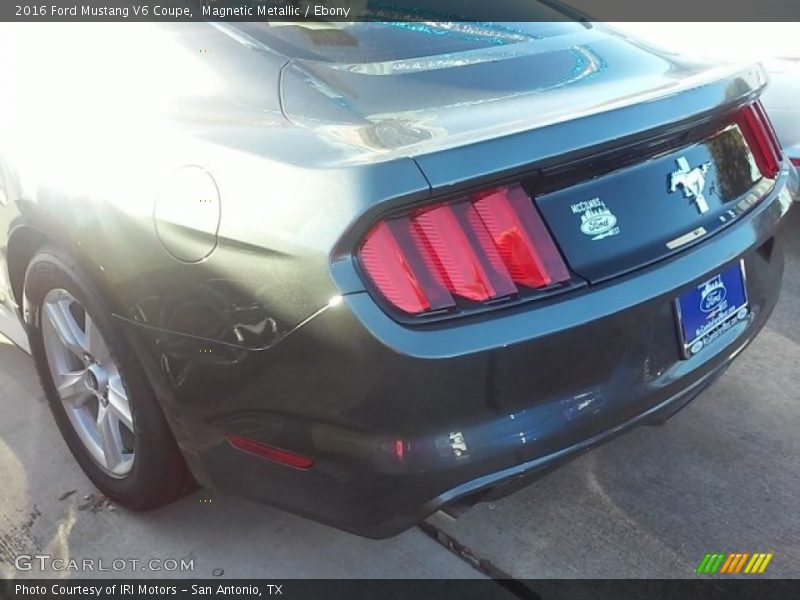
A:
(402, 421)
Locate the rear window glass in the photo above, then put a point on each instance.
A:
(369, 42)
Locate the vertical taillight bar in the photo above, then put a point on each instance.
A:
(463, 263)
(389, 259)
(764, 117)
(764, 145)
(521, 237)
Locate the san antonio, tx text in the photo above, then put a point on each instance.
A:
(61, 589)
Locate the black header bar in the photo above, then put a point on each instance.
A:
(675, 11)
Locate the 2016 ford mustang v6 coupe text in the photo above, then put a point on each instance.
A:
(368, 271)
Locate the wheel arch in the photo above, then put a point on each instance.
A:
(23, 244)
(26, 239)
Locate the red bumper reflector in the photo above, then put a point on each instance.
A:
(399, 449)
(268, 452)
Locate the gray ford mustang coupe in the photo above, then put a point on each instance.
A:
(368, 271)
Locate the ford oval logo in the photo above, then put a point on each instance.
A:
(599, 224)
(712, 294)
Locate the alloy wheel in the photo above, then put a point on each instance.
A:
(88, 382)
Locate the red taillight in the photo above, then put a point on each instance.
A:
(399, 267)
(465, 258)
(477, 249)
(761, 138)
(269, 453)
(773, 136)
(796, 162)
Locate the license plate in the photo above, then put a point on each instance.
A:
(710, 309)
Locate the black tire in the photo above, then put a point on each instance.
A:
(159, 474)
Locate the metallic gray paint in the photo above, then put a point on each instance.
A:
(252, 339)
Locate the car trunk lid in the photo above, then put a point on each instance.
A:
(609, 220)
(495, 82)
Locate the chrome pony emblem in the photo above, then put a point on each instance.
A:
(693, 182)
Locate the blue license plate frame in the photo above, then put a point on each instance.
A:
(707, 310)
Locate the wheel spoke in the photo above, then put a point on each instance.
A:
(95, 344)
(110, 442)
(72, 388)
(66, 328)
(118, 403)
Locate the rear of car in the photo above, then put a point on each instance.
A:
(430, 261)
(599, 239)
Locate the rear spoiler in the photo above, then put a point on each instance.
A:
(558, 136)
